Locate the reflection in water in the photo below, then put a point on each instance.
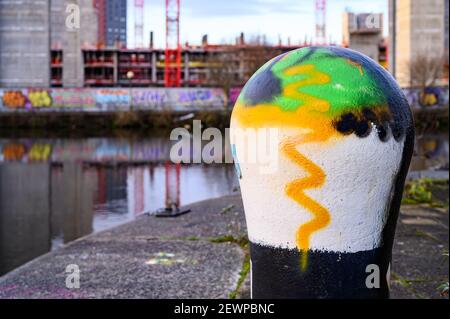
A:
(133, 190)
(53, 191)
(25, 230)
(71, 201)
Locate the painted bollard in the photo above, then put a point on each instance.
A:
(322, 224)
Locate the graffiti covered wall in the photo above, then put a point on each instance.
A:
(234, 94)
(178, 99)
(175, 99)
(432, 97)
(73, 98)
(111, 99)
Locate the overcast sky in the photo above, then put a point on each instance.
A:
(223, 20)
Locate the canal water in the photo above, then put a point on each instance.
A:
(55, 190)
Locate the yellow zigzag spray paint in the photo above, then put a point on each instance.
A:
(320, 128)
(316, 177)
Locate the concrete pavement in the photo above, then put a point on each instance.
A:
(203, 255)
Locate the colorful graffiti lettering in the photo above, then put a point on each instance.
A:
(200, 97)
(187, 97)
(27, 99)
(73, 98)
(428, 99)
(177, 99)
(14, 99)
(234, 94)
(149, 98)
(39, 98)
(430, 96)
(112, 98)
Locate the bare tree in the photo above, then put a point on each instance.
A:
(223, 69)
(231, 66)
(255, 53)
(427, 70)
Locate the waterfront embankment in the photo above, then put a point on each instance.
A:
(204, 254)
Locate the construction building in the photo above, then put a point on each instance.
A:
(24, 43)
(112, 22)
(146, 67)
(418, 28)
(41, 42)
(39, 49)
(67, 42)
(364, 33)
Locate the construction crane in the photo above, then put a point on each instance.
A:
(172, 64)
(138, 23)
(321, 31)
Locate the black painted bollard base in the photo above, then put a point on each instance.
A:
(276, 273)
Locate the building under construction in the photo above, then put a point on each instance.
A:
(147, 67)
(38, 54)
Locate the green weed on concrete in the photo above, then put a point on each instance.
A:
(420, 191)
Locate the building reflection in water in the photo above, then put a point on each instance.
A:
(72, 193)
(150, 187)
(42, 206)
(25, 217)
(53, 191)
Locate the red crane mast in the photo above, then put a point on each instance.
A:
(172, 62)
